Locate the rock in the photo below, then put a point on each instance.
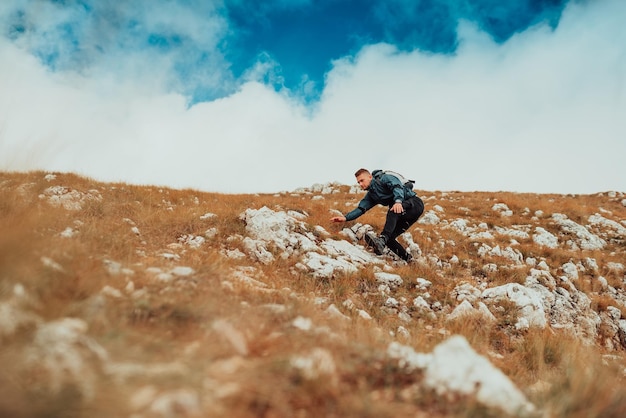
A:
(503, 209)
(545, 238)
(334, 312)
(408, 358)
(423, 284)
(67, 198)
(316, 364)
(529, 301)
(465, 292)
(585, 239)
(13, 318)
(429, 218)
(456, 368)
(421, 304)
(283, 230)
(465, 308)
(304, 324)
(364, 315)
(615, 229)
(390, 279)
(64, 355)
(570, 270)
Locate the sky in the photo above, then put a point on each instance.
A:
(244, 96)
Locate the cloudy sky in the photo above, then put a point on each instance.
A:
(264, 96)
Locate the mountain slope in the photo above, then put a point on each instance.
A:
(122, 300)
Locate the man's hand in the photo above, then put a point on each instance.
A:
(338, 219)
(397, 208)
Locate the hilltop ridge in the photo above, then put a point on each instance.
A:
(143, 301)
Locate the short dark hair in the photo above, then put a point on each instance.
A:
(361, 171)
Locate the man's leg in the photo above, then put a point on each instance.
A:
(398, 224)
(398, 249)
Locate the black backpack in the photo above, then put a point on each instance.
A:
(407, 183)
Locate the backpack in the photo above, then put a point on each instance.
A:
(407, 183)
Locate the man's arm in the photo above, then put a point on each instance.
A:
(364, 205)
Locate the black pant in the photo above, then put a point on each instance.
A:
(397, 223)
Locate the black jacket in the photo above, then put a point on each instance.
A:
(385, 189)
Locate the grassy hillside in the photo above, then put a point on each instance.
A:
(143, 301)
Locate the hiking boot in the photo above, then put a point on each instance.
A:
(378, 244)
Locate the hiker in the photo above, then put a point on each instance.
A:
(405, 208)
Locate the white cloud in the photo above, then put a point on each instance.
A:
(540, 113)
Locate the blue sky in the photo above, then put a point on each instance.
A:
(250, 96)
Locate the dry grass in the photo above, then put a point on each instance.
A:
(174, 322)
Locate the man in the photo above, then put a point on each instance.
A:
(405, 208)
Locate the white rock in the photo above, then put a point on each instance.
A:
(485, 312)
(333, 311)
(490, 268)
(545, 238)
(324, 266)
(529, 301)
(570, 270)
(466, 309)
(512, 232)
(407, 357)
(429, 218)
(543, 266)
(67, 198)
(192, 241)
(503, 209)
(111, 292)
(50, 263)
(234, 254)
(465, 291)
(182, 271)
(68, 232)
(391, 302)
(113, 267)
(390, 279)
(598, 220)
(364, 315)
(63, 354)
(463, 309)
(585, 239)
(604, 284)
(514, 255)
(421, 304)
(304, 324)
(258, 250)
(280, 228)
(318, 363)
(170, 256)
(456, 368)
(423, 284)
(403, 332)
(403, 316)
(13, 317)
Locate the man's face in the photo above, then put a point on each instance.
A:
(364, 180)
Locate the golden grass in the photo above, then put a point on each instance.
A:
(175, 321)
